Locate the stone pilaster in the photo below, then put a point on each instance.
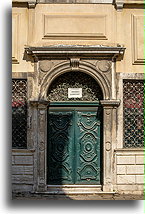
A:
(42, 141)
(40, 130)
(109, 140)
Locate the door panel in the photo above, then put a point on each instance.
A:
(73, 146)
(60, 147)
(87, 136)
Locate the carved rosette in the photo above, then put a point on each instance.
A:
(45, 65)
(103, 65)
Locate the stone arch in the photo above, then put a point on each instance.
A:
(58, 90)
(84, 67)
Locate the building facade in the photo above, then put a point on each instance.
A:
(77, 97)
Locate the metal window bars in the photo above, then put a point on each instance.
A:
(133, 112)
(19, 113)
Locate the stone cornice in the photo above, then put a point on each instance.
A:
(31, 4)
(76, 50)
(75, 1)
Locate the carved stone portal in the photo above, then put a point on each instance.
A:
(95, 63)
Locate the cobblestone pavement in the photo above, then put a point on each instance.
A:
(77, 197)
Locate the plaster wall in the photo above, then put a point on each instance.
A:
(78, 24)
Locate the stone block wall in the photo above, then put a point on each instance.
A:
(22, 170)
(130, 171)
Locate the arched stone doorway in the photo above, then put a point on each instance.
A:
(75, 145)
(51, 62)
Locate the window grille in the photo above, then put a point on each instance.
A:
(58, 91)
(133, 96)
(19, 113)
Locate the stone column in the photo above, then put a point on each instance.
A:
(109, 141)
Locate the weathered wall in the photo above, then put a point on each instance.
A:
(80, 24)
(22, 170)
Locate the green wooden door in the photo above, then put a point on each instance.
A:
(73, 146)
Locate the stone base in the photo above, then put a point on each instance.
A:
(98, 196)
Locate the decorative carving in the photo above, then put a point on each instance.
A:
(31, 5)
(119, 4)
(59, 151)
(41, 123)
(65, 141)
(45, 65)
(58, 91)
(108, 180)
(41, 181)
(88, 135)
(88, 173)
(41, 146)
(108, 112)
(103, 65)
(74, 63)
(108, 146)
(29, 121)
(42, 112)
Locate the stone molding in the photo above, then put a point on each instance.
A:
(77, 50)
(84, 66)
(119, 5)
(110, 103)
(67, 1)
(31, 5)
(39, 103)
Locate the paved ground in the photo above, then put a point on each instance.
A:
(76, 197)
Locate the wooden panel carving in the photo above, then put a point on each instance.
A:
(73, 147)
(88, 148)
(138, 39)
(15, 38)
(75, 26)
(60, 134)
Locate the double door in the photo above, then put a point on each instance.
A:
(73, 154)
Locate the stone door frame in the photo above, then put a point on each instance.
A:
(49, 63)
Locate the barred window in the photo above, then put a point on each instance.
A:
(133, 96)
(19, 113)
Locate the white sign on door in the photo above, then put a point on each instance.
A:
(74, 92)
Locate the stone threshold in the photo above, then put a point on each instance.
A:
(98, 196)
(77, 193)
(73, 189)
